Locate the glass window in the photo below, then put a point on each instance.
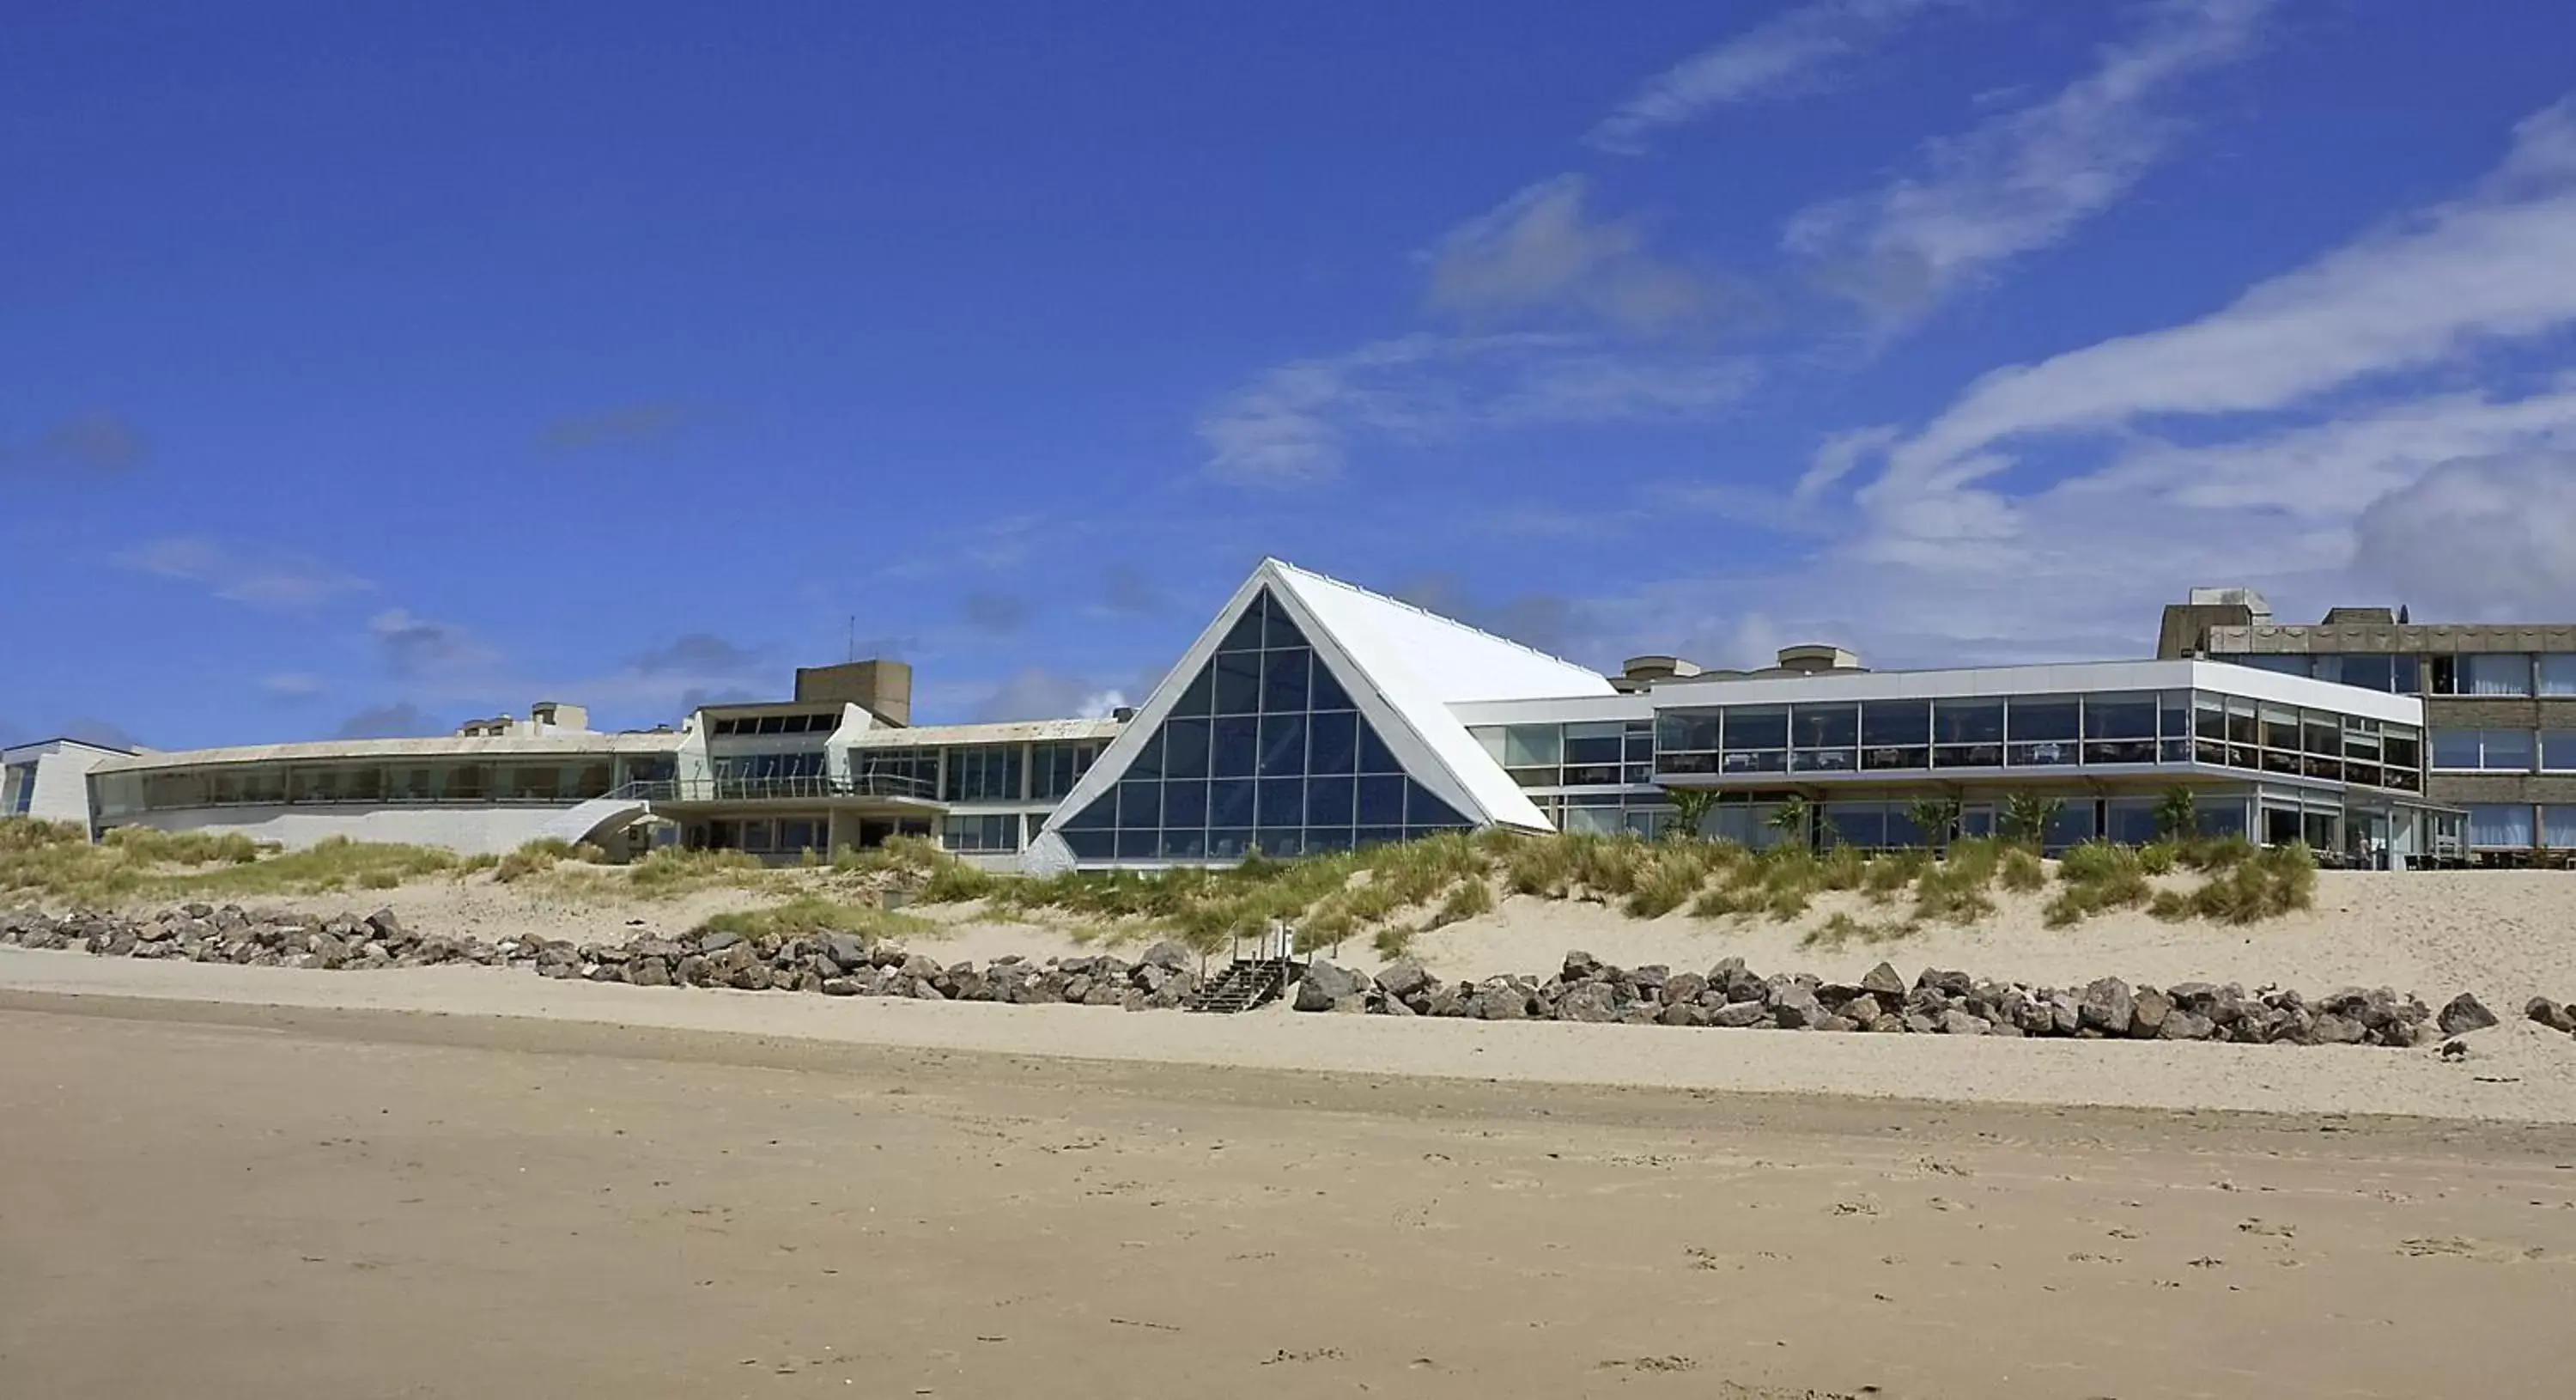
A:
(1824, 738)
(1280, 803)
(1328, 801)
(1236, 747)
(2042, 729)
(2558, 750)
(1185, 803)
(2507, 749)
(1533, 746)
(1862, 824)
(1229, 804)
(2500, 826)
(1185, 752)
(2558, 673)
(1896, 734)
(1968, 733)
(1283, 682)
(1375, 756)
(1381, 802)
(2401, 747)
(2497, 673)
(1593, 753)
(1245, 634)
(1326, 691)
(2073, 826)
(1238, 683)
(1332, 741)
(2120, 728)
(2558, 827)
(1276, 630)
(1283, 746)
(2129, 821)
(1198, 697)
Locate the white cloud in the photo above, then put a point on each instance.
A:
(2481, 536)
(292, 685)
(1796, 51)
(2025, 178)
(281, 581)
(1293, 425)
(1838, 455)
(1037, 693)
(2492, 266)
(1537, 254)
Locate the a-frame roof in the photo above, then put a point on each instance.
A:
(1403, 667)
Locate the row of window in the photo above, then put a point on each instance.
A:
(775, 724)
(17, 789)
(986, 832)
(1594, 754)
(2500, 673)
(2037, 731)
(2505, 750)
(2513, 826)
(273, 784)
(980, 772)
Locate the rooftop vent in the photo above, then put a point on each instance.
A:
(2383, 616)
(2245, 598)
(1815, 658)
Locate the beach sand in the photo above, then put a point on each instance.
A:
(218, 1199)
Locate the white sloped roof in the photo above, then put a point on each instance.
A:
(1402, 667)
(1421, 662)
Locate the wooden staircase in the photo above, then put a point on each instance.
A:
(1248, 983)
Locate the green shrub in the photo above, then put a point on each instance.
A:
(2020, 871)
(2159, 857)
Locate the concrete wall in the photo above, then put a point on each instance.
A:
(61, 792)
(482, 829)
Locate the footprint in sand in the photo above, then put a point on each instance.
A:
(2456, 1247)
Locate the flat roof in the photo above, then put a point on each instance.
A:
(1967, 682)
(47, 745)
(571, 744)
(1009, 732)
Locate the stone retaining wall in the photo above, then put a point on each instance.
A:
(1729, 995)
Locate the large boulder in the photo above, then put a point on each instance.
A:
(1499, 1001)
(2550, 1014)
(1578, 966)
(1956, 1022)
(1592, 1001)
(1169, 956)
(1403, 979)
(1735, 1015)
(2465, 1014)
(2147, 1012)
(1324, 986)
(2107, 1007)
(1883, 980)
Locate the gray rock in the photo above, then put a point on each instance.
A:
(1961, 1023)
(841, 987)
(1683, 987)
(1578, 966)
(2465, 1014)
(1736, 1015)
(2147, 1012)
(1325, 984)
(1956, 984)
(2331, 1029)
(1500, 1003)
(383, 922)
(1883, 980)
(1590, 1002)
(846, 950)
(2186, 1025)
(649, 972)
(1918, 1023)
(1403, 979)
(713, 943)
(2550, 1014)
(1169, 956)
(2107, 1007)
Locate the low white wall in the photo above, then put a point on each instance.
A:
(481, 829)
(61, 793)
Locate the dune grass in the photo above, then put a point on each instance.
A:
(55, 862)
(815, 913)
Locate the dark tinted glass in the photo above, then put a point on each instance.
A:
(1185, 748)
(1238, 683)
(1283, 681)
(1332, 742)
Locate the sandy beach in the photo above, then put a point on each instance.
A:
(229, 1200)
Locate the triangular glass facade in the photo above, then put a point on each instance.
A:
(1264, 751)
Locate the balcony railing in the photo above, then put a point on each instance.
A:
(809, 788)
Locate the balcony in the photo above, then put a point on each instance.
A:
(816, 788)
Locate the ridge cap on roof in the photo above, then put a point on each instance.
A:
(1372, 593)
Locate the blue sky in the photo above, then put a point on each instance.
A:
(363, 370)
